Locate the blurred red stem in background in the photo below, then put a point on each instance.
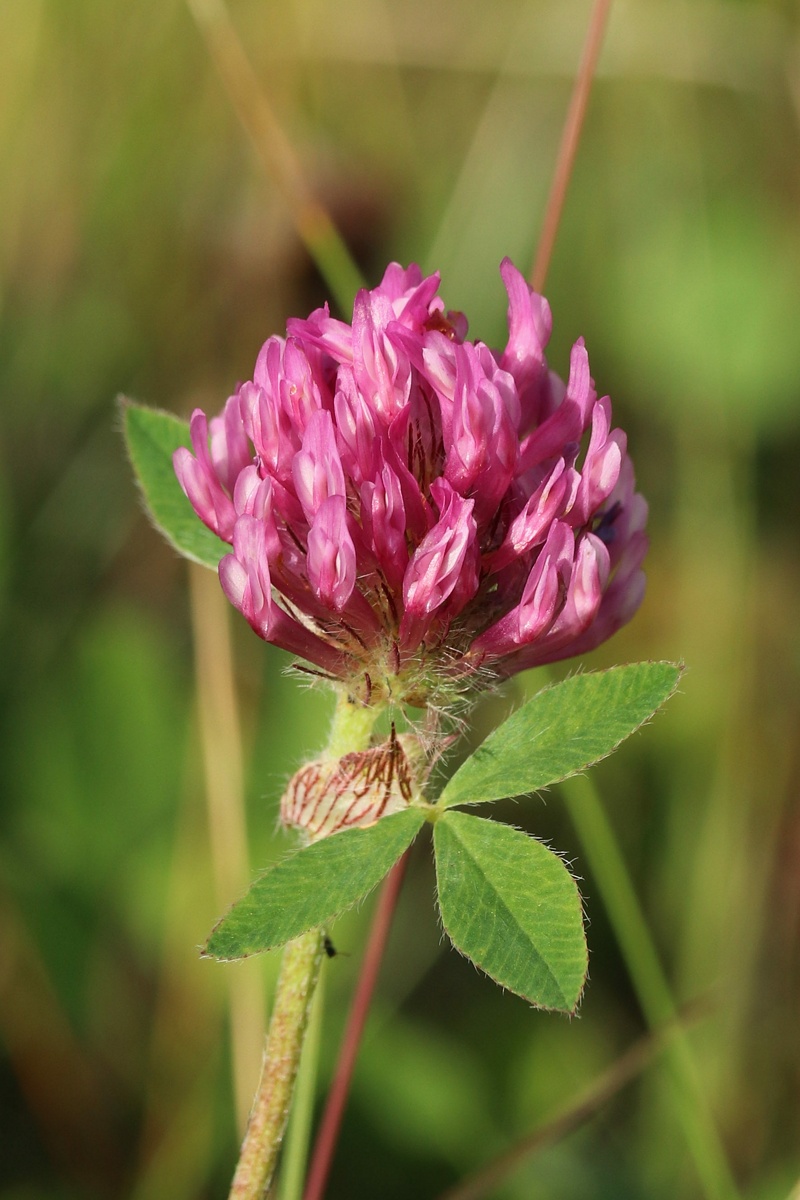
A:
(573, 125)
(325, 1143)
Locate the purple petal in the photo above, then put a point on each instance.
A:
(543, 594)
(531, 525)
(443, 567)
(602, 464)
(380, 366)
(331, 554)
(529, 326)
(481, 457)
(201, 483)
(355, 426)
(410, 295)
(569, 420)
(383, 516)
(230, 449)
(245, 579)
(317, 469)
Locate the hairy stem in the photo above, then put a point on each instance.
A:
(351, 730)
(298, 978)
(298, 1134)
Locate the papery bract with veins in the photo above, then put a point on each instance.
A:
(411, 512)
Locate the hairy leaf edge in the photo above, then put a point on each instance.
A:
(125, 405)
(679, 666)
(571, 1012)
(206, 952)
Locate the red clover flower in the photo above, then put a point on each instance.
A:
(409, 510)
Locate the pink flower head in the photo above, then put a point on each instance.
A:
(405, 506)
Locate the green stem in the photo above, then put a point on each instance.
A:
(262, 1141)
(295, 1154)
(649, 982)
(351, 730)
(352, 727)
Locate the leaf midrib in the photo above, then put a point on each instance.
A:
(515, 921)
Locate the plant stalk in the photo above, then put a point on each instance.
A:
(262, 1142)
(298, 1134)
(351, 730)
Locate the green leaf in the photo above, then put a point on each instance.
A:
(313, 886)
(511, 906)
(560, 731)
(152, 437)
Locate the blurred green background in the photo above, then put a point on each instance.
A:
(142, 250)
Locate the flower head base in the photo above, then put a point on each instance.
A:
(408, 510)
